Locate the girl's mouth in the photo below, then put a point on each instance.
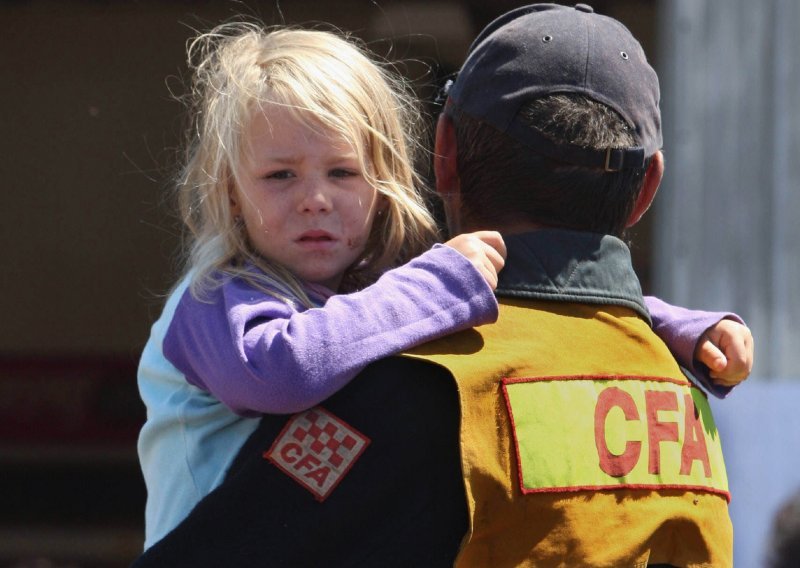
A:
(316, 238)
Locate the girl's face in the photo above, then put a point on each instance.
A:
(304, 199)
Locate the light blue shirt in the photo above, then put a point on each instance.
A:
(189, 440)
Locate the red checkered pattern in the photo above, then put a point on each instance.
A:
(325, 437)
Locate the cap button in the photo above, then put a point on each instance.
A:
(584, 8)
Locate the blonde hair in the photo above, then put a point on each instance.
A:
(326, 81)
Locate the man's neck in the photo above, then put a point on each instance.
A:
(505, 228)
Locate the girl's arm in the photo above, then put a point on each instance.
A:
(257, 355)
(684, 332)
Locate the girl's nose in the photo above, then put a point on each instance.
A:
(315, 198)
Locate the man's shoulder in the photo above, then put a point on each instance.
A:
(371, 475)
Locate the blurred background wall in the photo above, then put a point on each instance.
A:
(91, 134)
(725, 228)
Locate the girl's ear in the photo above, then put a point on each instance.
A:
(233, 202)
(383, 203)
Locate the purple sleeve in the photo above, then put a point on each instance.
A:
(259, 355)
(681, 328)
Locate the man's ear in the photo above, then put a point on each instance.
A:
(445, 168)
(445, 164)
(652, 179)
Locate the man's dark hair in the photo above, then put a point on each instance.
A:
(504, 181)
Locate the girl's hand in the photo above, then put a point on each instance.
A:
(726, 348)
(485, 250)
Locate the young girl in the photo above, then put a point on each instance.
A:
(298, 185)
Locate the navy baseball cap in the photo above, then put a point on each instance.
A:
(545, 49)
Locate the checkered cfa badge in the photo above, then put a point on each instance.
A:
(317, 450)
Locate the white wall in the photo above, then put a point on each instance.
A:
(726, 232)
(760, 429)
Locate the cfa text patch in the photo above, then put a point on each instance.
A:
(317, 449)
(606, 432)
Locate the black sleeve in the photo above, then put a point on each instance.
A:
(402, 502)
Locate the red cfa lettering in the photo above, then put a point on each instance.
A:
(693, 444)
(658, 431)
(290, 452)
(612, 464)
(319, 475)
(307, 462)
(293, 454)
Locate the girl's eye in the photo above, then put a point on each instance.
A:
(279, 175)
(342, 173)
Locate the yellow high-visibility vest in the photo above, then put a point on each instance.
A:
(583, 444)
